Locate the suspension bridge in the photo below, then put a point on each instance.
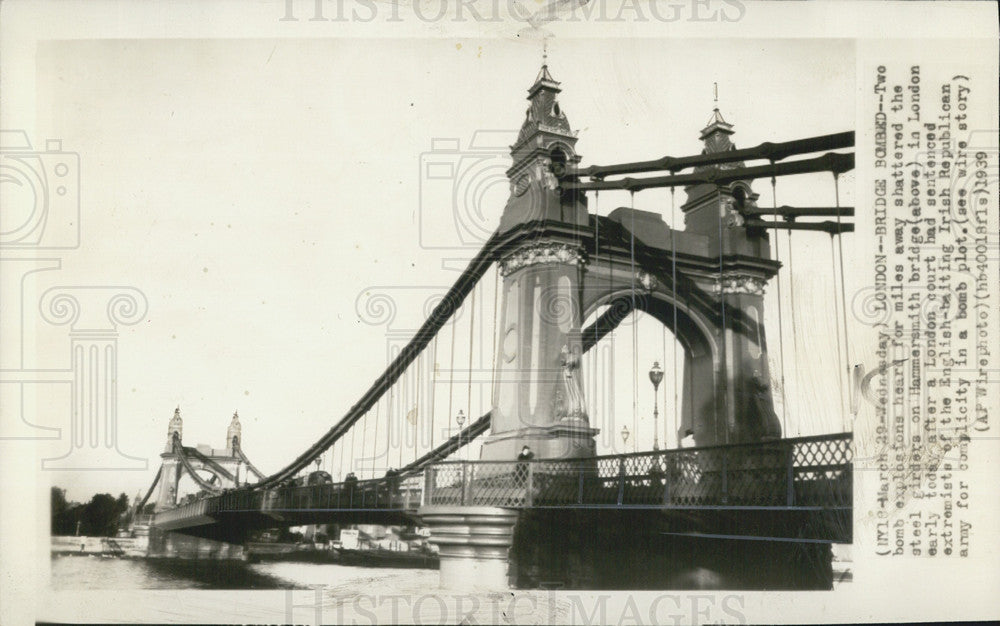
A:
(540, 494)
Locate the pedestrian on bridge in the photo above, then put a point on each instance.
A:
(521, 473)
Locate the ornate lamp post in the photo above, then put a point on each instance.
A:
(655, 377)
(460, 418)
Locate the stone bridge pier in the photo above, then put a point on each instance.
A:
(474, 544)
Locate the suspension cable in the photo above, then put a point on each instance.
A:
(673, 289)
(418, 412)
(597, 256)
(186, 463)
(836, 322)
(142, 503)
(795, 331)
(451, 375)
(433, 324)
(364, 439)
(250, 466)
(342, 476)
(482, 424)
(375, 438)
(472, 345)
(434, 374)
(496, 338)
(635, 323)
(353, 460)
(402, 404)
(722, 307)
(843, 293)
(781, 327)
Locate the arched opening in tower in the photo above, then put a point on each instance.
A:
(611, 387)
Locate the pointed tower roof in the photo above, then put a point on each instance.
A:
(175, 421)
(544, 113)
(716, 125)
(716, 132)
(544, 80)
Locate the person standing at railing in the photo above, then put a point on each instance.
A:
(683, 464)
(391, 485)
(761, 421)
(350, 484)
(522, 469)
(688, 440)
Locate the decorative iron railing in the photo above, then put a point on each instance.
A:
(808, 472)
(377, 494)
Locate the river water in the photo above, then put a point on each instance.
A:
(94, 589)
(91, 588)
(93, 572)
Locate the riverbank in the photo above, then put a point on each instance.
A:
(100, 546)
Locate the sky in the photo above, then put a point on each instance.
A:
(258, 192)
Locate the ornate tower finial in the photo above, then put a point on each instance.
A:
(176, 425)
(234, 433)
(716, 132)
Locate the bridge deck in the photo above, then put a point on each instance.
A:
(803, 474)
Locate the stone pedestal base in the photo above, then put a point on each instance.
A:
(572, 439)
(473, 543)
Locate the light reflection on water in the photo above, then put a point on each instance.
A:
(92, 572)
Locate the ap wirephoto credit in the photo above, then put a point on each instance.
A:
(499, 312)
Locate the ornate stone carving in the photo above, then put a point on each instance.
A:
(568, 399)
(541, 253)
(646, 280)
(739, 284)
(732, 217)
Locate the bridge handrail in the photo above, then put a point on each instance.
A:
(806, 471)
(849, 436)
(810, 471)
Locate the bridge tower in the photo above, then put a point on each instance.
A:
(539, 396)
(223, 463)
(559, 263)
(170, 466)
(743, 269)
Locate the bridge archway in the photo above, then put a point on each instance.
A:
(700, 402)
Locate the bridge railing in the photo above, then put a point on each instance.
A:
(810, 472)
(194, 509)
(380, 494)
(389, 493)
